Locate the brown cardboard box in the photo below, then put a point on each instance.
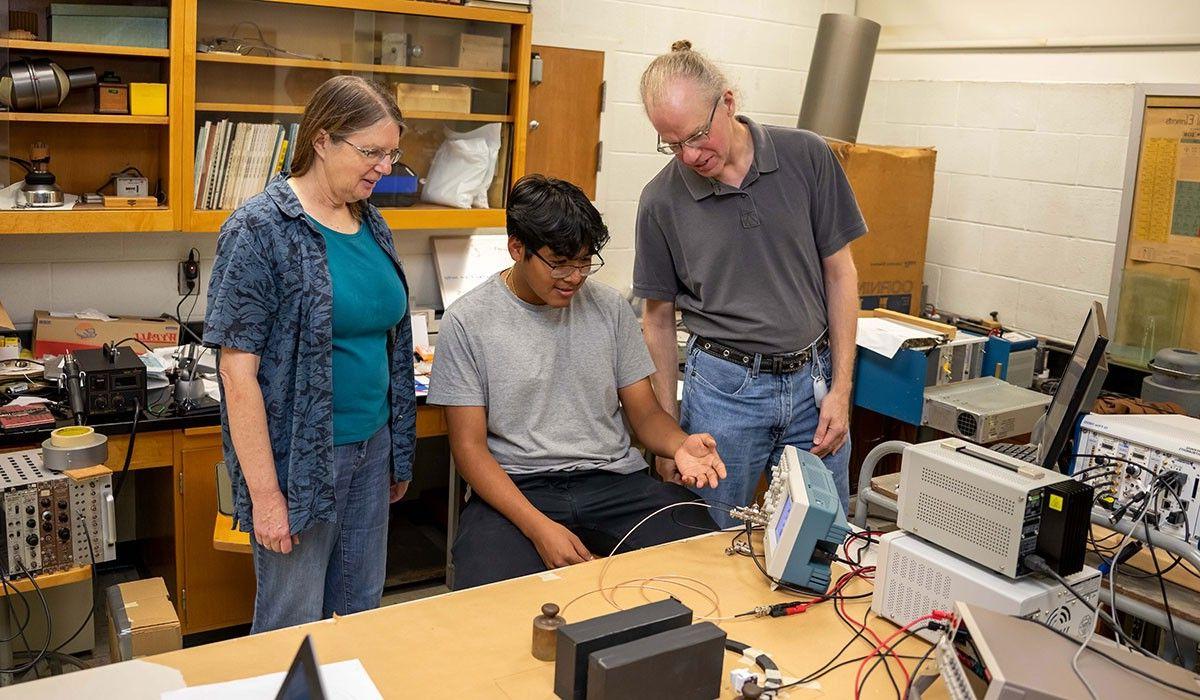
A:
(894, 188)
(53, 335)
(6, 323)
(479, 52)
(433, 98)
(141, 620)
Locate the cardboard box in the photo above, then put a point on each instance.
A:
(148, 99)
(54, 335)
(433, 98)
(111, 25)
(6, 322)
(894, 188)
(141, 620)
(480, 52)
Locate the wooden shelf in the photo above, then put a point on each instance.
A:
(76, 118)
(60, 578)
(63, 47)
(348, 66)
(299, 109)
(419, 216)
(424, 8)
(88, 220)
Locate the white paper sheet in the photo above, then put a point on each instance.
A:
(420, 330)
(886, 336)
(344, 680)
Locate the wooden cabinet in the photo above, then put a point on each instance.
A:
(564, 116)
(87, 148)
(258, 62)
(217, 588)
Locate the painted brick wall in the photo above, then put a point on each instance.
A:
(1027, 191)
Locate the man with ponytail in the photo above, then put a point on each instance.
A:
(747, 232)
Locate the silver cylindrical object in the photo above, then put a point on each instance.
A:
(838, 76)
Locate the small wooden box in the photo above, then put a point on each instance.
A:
(112, 98)
(433, 98)
(479, 52)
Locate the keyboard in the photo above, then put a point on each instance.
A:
(1025, 453)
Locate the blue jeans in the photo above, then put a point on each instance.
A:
(336, 567)
(753, 415)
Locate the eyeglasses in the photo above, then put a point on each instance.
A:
(377, 155)
(562, 271)
(673, 148)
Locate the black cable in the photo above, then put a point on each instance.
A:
(49, 625)
(1036, 563)
(917, 670)
(137, 411)
(91, 610)
(1118, 662)
(1157, 479)
(14, 593)
(132, 339)
(1162, 586)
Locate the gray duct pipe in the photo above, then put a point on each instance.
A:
(838, 76)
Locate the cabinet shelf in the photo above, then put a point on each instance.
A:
(81, 118)
(274, 62)
(299, 109)
(64, 47)
(419, 216)
(88, 220)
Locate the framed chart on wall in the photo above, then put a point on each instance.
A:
(1155, 288)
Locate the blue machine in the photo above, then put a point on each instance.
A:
(805, 516)
(1010, 357)
(895, 387)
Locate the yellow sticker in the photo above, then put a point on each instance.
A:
(1055, 502)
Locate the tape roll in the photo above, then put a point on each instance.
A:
(72, 436)
(87, 448)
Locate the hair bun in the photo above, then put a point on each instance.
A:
(681, 45)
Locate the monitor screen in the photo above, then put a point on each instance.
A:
(1079, 387)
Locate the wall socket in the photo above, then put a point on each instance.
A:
(189, 276)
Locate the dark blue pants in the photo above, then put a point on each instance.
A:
(599, 507)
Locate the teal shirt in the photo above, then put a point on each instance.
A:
(368, 300)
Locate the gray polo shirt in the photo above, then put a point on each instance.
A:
(744, 264)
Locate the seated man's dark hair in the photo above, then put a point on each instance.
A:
(546, 211)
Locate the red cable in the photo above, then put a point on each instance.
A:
(935, 615)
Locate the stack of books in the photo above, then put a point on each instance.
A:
(511, 5)
(235, 160)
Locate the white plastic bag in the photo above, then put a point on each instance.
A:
(463, 168)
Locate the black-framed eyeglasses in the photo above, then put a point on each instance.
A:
(561, 271)
(376, 155)
(668, 148)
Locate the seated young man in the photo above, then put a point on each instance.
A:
(535, 367)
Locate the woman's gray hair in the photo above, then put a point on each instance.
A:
(682, 63)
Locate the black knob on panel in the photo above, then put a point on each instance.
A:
(64, 534)
(62, 517)
(31, 523)
(62, 504)
(47, 526)
(31, 540)
(30, 510)
(44, 501)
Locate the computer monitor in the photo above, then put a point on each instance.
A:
(1080, 385)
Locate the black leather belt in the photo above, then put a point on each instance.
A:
(782, 363)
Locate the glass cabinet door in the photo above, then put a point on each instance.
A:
(258, 62)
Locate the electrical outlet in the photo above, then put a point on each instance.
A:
(189, 276)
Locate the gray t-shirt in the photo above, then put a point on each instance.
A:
(744, 264)
(548, 377)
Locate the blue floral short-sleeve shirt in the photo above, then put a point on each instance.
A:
(271, 295)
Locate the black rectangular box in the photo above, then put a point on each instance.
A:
(1066, 520)
(681, 664)
(577, 641)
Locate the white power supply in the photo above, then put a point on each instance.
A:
(914, 577)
